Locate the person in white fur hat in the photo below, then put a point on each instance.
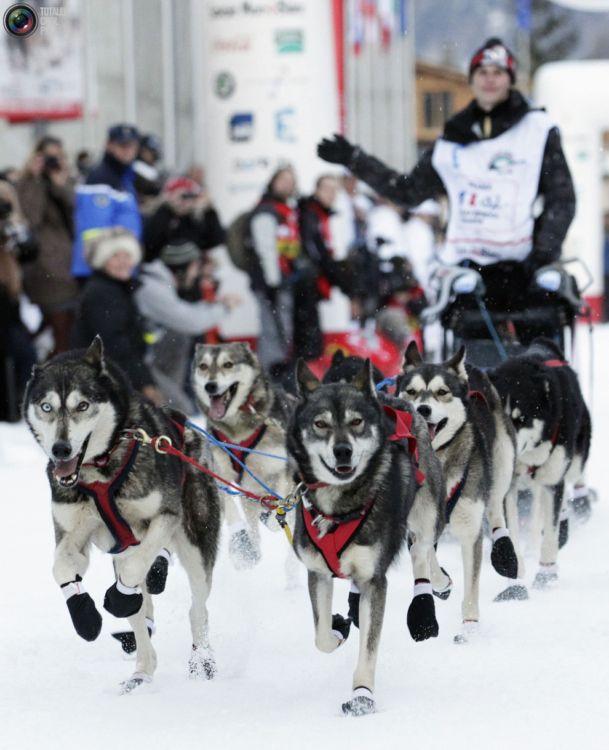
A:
(107, 305)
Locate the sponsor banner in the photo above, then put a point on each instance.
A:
(269, 91)
(41, 76)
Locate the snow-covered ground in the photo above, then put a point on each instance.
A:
(538, 676)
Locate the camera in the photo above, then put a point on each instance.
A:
(20, 20)
(6, 209)
(51, 164)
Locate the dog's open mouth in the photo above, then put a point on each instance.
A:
(218, 405)
(66, 472)
(435, 428)
(342, 471)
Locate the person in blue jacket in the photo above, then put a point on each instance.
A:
(108, 198)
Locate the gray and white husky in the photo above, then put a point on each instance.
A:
(109, 490)
(542, 398)
(476, 446)
(241, 408)
(364, 491)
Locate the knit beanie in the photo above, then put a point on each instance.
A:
(102, 244)
(494, 52)
(180, 254)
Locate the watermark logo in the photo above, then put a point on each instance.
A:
(22, 20)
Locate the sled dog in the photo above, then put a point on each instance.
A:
(110, 490)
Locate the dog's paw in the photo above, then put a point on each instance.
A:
(516, 592)
(202, 665)
(421, 617)
(503, 555)
(353, 613)
(123, 601)
(469, 631)
(243, 551)
(135, 681)
(563, 533)
(86, 619)
(157, 575)
(361, 704)
(444, 592)
(329, 642)
(547, 576)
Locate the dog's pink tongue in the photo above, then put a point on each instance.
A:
(65, 468)
(217, 408)
(432, 430)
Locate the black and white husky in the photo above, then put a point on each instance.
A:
(242, 409)
(369, 478)
(110, 490)
(476, 446)
(542, 397)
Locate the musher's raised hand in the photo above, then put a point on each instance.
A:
(336, 150)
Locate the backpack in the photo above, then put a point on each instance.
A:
(239, 243)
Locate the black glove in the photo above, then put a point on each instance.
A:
(336, 150)
(86, 619)
(271, 294)
(157, 575)
(122, 603)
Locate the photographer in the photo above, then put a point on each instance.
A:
(17, 354)
(186, 215)
(46, 194)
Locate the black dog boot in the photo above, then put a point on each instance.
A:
(127, 637)
(421, 617)
(360, 704)
(353, 601)
(157, 575)
(123, 601)
(341, 626)
(86, 619)
(503, 554)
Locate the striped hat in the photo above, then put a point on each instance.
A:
(494, 52)
(180, 253)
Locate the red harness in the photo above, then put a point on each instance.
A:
(344, 528)
(237, 455)
(103, 494)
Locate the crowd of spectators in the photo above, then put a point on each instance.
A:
(119, 248)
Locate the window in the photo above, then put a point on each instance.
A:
(437, 108)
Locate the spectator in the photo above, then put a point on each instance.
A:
(173, 322)
(148, 180)
(317, 272)
(83, 165)
(186, 214)
(109, 198)
(275, 237)
(107, 306)
(17, 355)
(47, 197)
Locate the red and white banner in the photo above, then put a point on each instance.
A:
(41, 76)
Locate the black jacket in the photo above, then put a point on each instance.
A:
(555, 183)
(107, 307)
(164, 227)
(110, 171)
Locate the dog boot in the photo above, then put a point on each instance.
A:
(157, 575)
(202, 665)
(242, 550)
(444, 593)
(421, 617)
(503, 554)
(515, 592)
(546, 576)
(580, 503)
(127, 637)
(123, 601)
(353, 601)
(86, 619)
(469, 630)
(360, 704)
(341, 626)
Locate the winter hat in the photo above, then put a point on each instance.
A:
(123, 133)
(180, 254)
(494, 52)
(102, 244)
(182, 185)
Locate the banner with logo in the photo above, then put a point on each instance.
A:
(270, 94)
(41, 75)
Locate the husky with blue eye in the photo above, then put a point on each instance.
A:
(110, 491)
(475, 443)
(369, 479)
